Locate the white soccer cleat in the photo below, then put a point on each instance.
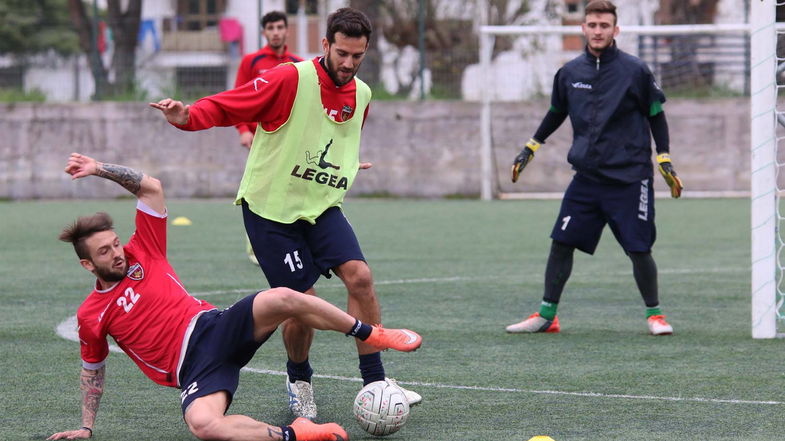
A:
(301, 402)
(658, 325)
(535, 323)
(411, 396)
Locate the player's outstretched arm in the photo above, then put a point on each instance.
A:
(146, 188)
(174, 111)
(91, 383)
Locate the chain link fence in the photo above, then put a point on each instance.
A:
(191, 48)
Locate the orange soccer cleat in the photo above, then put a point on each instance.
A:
(307, 430)
(402, 340)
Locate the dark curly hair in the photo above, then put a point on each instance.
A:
(350, 22)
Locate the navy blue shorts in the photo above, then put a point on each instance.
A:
(295, 255)
(588, 205)
(221, 343)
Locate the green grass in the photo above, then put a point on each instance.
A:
(17, 95)
(457, 271)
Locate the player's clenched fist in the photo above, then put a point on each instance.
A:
(671, 178)
(175, 111)
(523, 158)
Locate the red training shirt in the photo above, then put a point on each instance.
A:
(255, 65)
(148, 313)
(269, 99)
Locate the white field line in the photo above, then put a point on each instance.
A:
(67, 330)
(677, 271)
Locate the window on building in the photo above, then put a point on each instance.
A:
(11, 77)
(574, 10)
(311, 6)
(199, 81)
(195, 15)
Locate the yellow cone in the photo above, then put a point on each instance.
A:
(181, 221)
(541, 438)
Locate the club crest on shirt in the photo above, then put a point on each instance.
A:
(346, 112)
(136, 272)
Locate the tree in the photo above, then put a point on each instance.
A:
(372, 62)
(29, 27)
(686, 72)
(450, 38)
(125, 30)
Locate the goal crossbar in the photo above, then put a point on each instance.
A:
(730, 28)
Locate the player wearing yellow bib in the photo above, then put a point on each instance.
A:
(303, 160)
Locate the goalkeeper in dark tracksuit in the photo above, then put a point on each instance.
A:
(614, 104)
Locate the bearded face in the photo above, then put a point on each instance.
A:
(107, 258)
(344, 56)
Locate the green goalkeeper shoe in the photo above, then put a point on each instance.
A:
(535, 323)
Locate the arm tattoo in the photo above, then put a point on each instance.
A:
(129, 178)
(274, 432)
(92, 385)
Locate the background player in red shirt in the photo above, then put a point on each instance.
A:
(275, 28)
(176, 339)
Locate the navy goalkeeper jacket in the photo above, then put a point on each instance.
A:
(608, 100)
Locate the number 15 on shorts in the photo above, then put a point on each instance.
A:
(293, 260)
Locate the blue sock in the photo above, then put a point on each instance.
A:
(299, 371)
(371, 367)
(360, 330)
(288, 433)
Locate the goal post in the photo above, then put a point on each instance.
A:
(767, 248)
(763, 167)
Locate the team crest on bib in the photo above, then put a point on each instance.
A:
(136, 272)
(346, 112)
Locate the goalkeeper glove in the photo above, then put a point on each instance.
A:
(667, 171)
(523, 158)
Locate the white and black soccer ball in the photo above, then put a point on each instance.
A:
(381, 408)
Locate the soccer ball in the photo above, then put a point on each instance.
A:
(381, 408)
